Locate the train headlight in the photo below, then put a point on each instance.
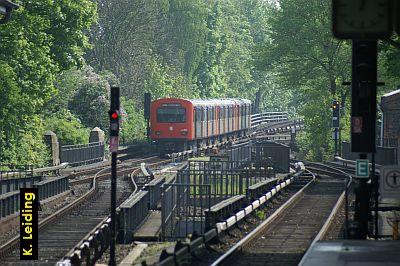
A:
(184, 132)
(158, 133)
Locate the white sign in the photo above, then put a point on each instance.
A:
(389, 186)
(362, 168)
(335, 135)
(113, 144)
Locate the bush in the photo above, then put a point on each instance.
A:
(133, 125)
(68, 128)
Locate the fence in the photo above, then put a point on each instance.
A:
(240, 152)
(154, 189)
(383, 156)
(196, 189)
(132, 213)
(276, 154)
(9, 202)
(13, 177)
(77, 154)
(390, 142)
(183, 207)
(52, 187)
(269, 117)
(82, 154)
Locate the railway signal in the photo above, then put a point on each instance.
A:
(335, 114)
(114, 132)
(363, 99)
(364, 22)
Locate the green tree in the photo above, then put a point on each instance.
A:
(67, 127)
(90, 102)
(309, 61)
(133, 127)
(43, 39)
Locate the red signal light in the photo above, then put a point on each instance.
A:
(114, 115)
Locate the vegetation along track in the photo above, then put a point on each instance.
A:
(283, 238)
(61, 231)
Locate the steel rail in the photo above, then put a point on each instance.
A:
(13, 243)
(84, 243)
(260, 228)
(343, 199)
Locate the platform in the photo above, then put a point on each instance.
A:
(353, 252)
(150, 229)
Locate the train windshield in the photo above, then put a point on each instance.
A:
(171, 115)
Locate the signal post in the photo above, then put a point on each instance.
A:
(364, 22)
(114, 133)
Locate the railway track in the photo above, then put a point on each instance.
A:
(86, 175)
(283, 238)
(61, 231)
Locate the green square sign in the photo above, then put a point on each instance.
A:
(362, 168)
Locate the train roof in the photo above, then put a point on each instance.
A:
(210, 102)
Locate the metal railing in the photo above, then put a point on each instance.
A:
(52, 187)
(15, 171)
(196, 189)
(16, 178)
(9, 202)
(131, 214)
(268, 117)
(154, 189)
(82, 154)
(197, 241)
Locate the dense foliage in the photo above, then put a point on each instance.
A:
(312, 65)
(43, 39)
(58, 60)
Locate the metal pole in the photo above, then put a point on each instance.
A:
(346, 236)
(114, 132)
(382, 125)
(362, 208)
(336, 141)
(375, 181)
(340, 143)
(113, 206)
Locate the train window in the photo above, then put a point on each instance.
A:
(171, 115)
(198, 114)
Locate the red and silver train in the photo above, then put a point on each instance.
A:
(180, 124)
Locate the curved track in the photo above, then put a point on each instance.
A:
(282, 240)
(60, 232)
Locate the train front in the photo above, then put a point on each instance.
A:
(171, 124)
